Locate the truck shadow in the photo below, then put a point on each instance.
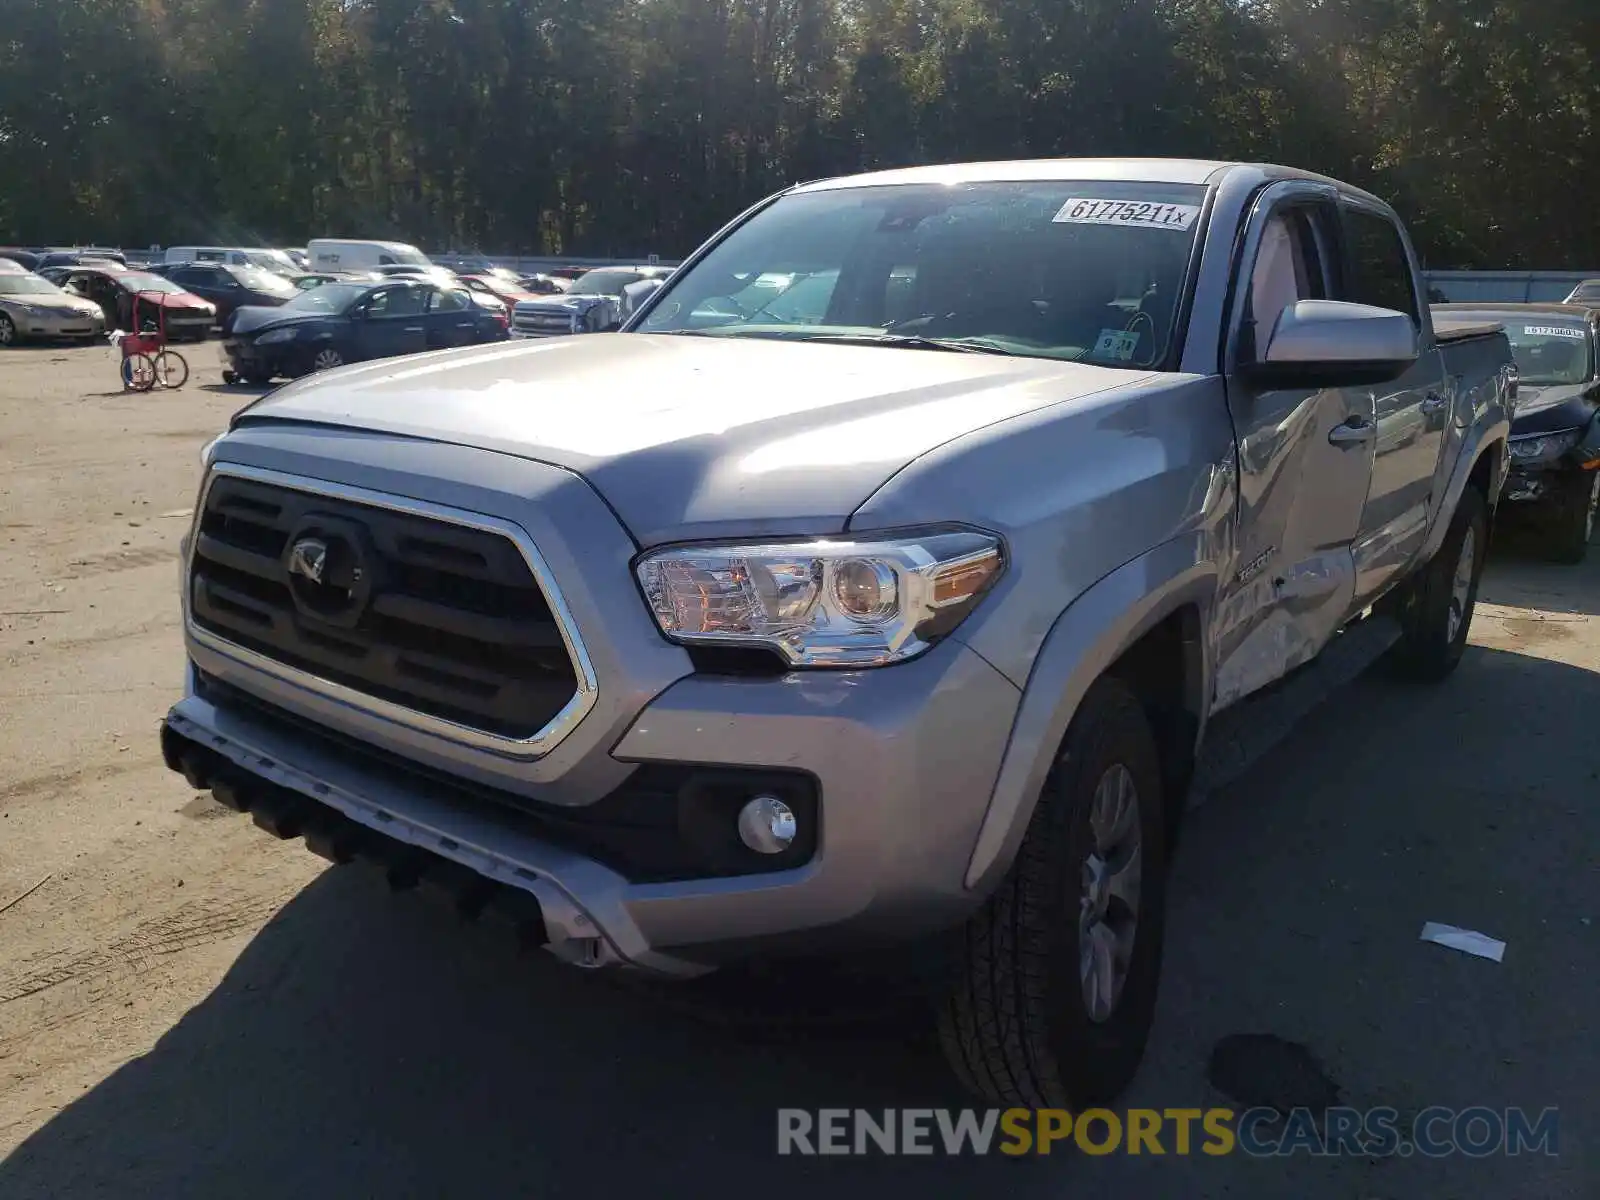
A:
(369, 1045)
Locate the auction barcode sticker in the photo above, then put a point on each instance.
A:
(1081, 211)
(1565, 331)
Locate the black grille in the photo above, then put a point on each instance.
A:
(443, 619)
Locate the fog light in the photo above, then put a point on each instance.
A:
(766, 825)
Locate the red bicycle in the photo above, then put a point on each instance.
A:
(146, 361)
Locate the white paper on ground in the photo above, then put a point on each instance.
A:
(1468, 941)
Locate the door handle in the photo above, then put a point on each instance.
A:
(414, 329)
(1435, 402)
(1356, 431)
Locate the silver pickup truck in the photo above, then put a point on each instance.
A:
(895, 602)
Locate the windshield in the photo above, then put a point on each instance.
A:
(1549, 354)
(329, 298)
(27, 285)
(269, 260)
(1069, 270)
(408, 256)
(1589, 289)
(603, 283)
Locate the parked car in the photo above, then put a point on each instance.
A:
(32, 307)
(316, 279)
(80, 258)
(507, 292)
(693, 643)
(539, 284)
(341, 323)
(187, 316)
(26, 259)
(1555, 436)
(598, 301)
(344, 254)
(227, 287)
(1587, 292)
(262, 258)
(9, 266)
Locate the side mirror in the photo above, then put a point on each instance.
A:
(1332, 343)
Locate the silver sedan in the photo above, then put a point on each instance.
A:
(31, 307)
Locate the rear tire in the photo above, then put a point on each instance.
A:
(8, 331)
(1033, 1019)
(1573, 526)
(1435, 608)
(172, 369)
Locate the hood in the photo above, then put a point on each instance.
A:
(562, 303)
(1550, 408)
(253, 318)
(692, 437)
(60, 302)
(175, 300)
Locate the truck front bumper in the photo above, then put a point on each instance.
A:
(904, 761)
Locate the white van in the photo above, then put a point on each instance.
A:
(235, 256)
(341, 254)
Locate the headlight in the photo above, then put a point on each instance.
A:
(277, 335)
(823, 603)
(1540, 447)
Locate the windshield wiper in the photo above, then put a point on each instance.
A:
(908, 341)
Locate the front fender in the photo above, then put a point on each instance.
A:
(1488, 436)
(1085, 640)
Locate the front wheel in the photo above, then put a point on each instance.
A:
(1573, 526)
(172, 370)
(1057, 977)
(326, 359)
(138, 373)
(1435, 608)
(8, 331)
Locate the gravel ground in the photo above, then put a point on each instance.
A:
(190, 1008)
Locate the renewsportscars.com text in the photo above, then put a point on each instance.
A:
(1435, 1132)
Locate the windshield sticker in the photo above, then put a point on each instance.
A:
(1553, 331)
(1080, 211)
(1116, 344)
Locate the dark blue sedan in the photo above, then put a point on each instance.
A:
(341, 323)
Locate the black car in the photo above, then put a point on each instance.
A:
(1555, 432)
(341, 323)
(229, 287)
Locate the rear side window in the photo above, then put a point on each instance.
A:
(1380, 271)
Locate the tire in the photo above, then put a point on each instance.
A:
(172, 369)
(326, 360)
(1435, 609)
(8, 331)
(138, 373)
(1574, 521)
(1018, 1027)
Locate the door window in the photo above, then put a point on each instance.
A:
(1380, 270)
(454, 300)
(1288, 269)
(396, 302)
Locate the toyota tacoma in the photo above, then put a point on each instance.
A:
(904, 615)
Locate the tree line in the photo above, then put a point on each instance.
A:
(625, 127)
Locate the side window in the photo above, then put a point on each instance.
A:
(385, 261)
(454, 300)
(398, 302)
(1288, 269)
(1380, 271)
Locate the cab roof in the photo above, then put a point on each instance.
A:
(1120, 170)
(1577, 312)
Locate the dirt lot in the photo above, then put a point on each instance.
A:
(189, 1008)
